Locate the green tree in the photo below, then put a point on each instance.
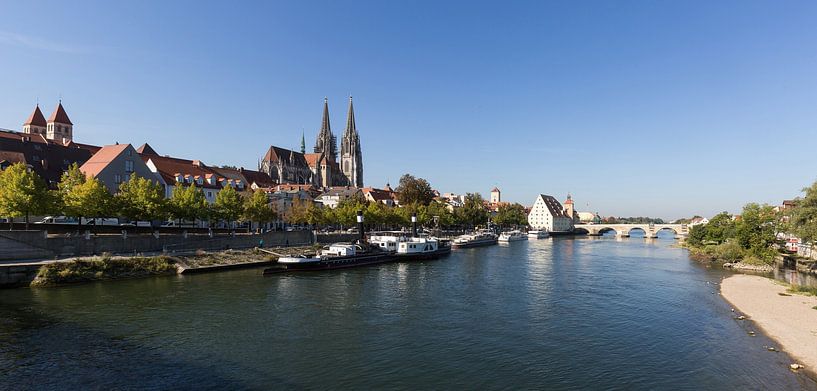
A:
(89, 199)
(413, 190)
(258, 209)
(473, 211)
(510, 215)
(140, 199)
(187, 203)
(229, 205)
(756, 230)
(439, 210)
(804, 215)
(719, 228)
(22, 192)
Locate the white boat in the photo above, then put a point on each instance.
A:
(537, 234)
(512, 236)
(408, 248)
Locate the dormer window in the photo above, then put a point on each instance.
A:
(199, 181)
(179, 178)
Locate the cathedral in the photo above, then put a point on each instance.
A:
(320, 168)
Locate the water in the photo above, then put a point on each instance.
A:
(549, 314)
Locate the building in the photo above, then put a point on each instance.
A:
(114, 164)
(548, 214)
(384, 196)
(321, 167)
(496, 196)
(334, 195)
(589, 218)
(351, 154)
(48, 156)
(174, 172)
(58, 127)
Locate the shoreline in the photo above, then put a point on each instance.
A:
(789, 319)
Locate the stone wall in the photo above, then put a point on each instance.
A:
(81, 245)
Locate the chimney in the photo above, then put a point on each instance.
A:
(197, 163)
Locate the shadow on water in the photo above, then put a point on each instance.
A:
(43, 352)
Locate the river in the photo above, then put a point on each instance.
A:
(559, 313)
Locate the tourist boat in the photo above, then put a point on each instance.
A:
(409, 248)
(512, 236)
(477, 239)
(537, 234)
(335, 256)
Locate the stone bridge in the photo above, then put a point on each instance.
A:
(623, 230)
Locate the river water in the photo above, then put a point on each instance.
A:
(559, 313)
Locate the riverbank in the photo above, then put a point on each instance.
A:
(788, 318)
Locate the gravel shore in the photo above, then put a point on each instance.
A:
(790, 319)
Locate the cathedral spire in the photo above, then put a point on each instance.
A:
(326, 142)
(350, 119)
(303, 142)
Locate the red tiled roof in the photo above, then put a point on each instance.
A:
(59, 115)
(48, 158)
(168, 167)
(37, 118)
(145, 149)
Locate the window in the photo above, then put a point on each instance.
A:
(127, 177)
(117, 178)
(128, 165)
(130, 152)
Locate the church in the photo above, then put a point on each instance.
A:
(320, 168)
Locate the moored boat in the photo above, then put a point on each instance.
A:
(477, 239)
(412, 248)
(535, 234)
(512, 236)
(335, 256)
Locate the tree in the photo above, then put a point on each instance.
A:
(439, 210)
(804, 215)
(473, 211)
(22, 192)
(719, 228)
(229, 205)
(510, 215)
(89, 199)
(756, 230)
(140, 199)
(187, 203)
(413, 190)
(258, 209)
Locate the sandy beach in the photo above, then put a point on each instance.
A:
(789, 320)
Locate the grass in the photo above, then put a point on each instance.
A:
(103, 268)
(803, 290)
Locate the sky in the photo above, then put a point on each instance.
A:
(636, 108)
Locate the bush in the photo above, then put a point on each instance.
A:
(728, 252)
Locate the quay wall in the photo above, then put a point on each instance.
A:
(40, 245)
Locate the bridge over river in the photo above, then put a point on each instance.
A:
(623, 230)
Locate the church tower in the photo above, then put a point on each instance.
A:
(59, 126)
(36, 123)
(351, 156)
(326, 142)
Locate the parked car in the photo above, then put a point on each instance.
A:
(57, 220)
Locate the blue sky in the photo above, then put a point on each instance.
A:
(656, 108)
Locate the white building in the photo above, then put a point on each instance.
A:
(548, 214)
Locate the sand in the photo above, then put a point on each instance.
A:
(789, 320)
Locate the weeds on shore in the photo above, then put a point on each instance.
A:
(803, 290)
(103, 268)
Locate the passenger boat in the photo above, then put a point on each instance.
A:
(537, 234)
(335, 256)
(512, 236)
(477, 239)
(411, 248)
